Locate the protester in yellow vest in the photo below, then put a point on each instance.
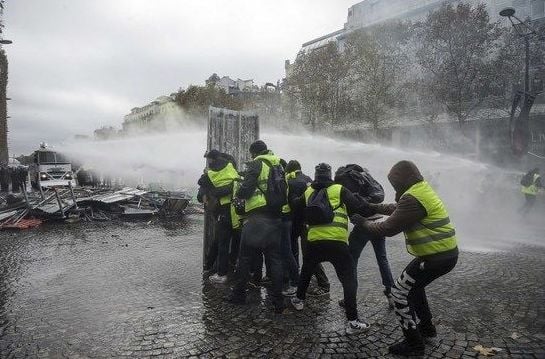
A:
(216, 190)
(328, 241)
(530, 185)
(429, 236)
(261, 232)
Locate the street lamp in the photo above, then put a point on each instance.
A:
(525, 31)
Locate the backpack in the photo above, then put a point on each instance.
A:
(277, 187)
(358, 180)
(527, 179)
(318, 209)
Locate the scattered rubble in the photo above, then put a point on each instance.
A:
(28, 210)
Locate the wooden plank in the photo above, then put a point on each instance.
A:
(230, 132)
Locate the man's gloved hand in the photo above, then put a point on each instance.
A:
(358, 220)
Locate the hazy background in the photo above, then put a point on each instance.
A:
(76, 65)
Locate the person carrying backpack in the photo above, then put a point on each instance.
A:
(264, 190)
(298, 183)
(430, 237)
(326, 207)
(530, 185)
(360, 182)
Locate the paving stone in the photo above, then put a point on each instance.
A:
(65, 294)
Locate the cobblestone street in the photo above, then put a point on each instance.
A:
(136, 290)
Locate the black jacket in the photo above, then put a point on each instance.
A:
(353, 203)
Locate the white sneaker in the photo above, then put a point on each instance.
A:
(289, 291)
(297, 303)
(356, 326)
(218, 279)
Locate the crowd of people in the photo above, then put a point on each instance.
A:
(16, 176)
(265, 213)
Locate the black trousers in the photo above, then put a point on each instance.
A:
(261, 235)
(319, 273)
(411, 303)
(338, 254)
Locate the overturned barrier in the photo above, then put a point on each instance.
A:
(231, 132)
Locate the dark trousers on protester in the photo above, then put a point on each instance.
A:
(337, 253)
(235, 246)
(218, 255)
(298, 230)
(261, 235)
(319, 273)
(411, 303)
(356, 242)
(529, 202)
(291, 270)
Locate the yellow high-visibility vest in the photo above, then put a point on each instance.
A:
(435, 233)
(337, 230)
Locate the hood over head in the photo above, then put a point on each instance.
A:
(403, 175)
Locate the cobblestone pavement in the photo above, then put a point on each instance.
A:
(136, 290)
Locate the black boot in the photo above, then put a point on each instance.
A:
(427, 330)
(411, 345)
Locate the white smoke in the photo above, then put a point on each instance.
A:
(483, 200)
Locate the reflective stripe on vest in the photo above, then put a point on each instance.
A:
(435, 233)
(223, 177)
(336, 230)
(258, 199)
(531, 189)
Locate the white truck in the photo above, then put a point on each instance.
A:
(50, 169)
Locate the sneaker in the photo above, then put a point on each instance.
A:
(297, 303)
(405, 349)
(356, 326)
(318, 292)
(390, 298)
(289, 291)
(218, 279)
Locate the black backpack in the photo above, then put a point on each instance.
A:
(527, 179)
(358, 180)
(318, 209)
(277, 187)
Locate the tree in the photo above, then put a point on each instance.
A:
(377, 60)
(196, 100)
(319, 83)
(460, 49)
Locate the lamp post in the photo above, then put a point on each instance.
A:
(525, 31)
(520, 127)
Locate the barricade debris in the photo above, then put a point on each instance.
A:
(28, 210)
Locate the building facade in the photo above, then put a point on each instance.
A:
(153, 114)
(373, 12)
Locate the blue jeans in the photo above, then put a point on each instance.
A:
(291, 269)
(357, 241)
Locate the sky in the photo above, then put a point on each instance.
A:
(77, 65)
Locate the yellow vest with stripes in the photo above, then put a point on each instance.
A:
(435, 233)
(222, 178)
(531, 189)
(258, 199)
(336, 230)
